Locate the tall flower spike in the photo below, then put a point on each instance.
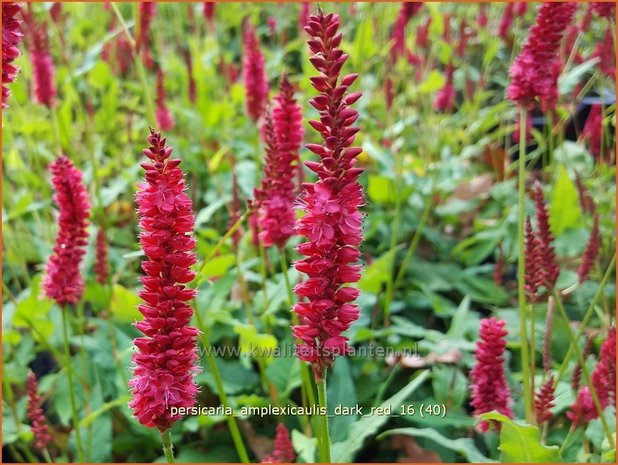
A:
(275, 196)
(551, 270)
(593, 130)
(63, 281)
(533, 275)
(209, 12)
(603, 9)
(101, 267)
(283, 451)
(191, 85)
(577, 371)
(42, 437)
(288, 123)
(445, 99)
(590, 252)
(534, 73)
(147, 12)
(544, 401)
(165, 120)
(11, 37)
(585, 199)
(604, 51)
(254, 74)
(164, 365)
(398, 33)
(332, 224)
(489, 388)
(504, 28)
(43, 69)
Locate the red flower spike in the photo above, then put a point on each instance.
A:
(43, 69)
(504, 28)
(489, 388)
(11, 37)
(591, 251)
(42, 437)
(603, 9)
(275, 196)
(593, 130)
(254, 74)
(422, 33)
(551, 270)
(147, 12)
(534, 73)
(544, 401)
(498, 272)
(445, 99)
(165, 120)
(604, 51)
(235, 213)
(209, 11)
(482, 18)
(101, 267)
(303, 15)
(332, 224)
(63, 281)
(577, 371)
(283, 449)
(533, 276)
(165, 363)
(585, 199)
(398, 33)
(191, 85)
(520, 9)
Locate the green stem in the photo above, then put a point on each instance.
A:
(69, 367)
(222, 241)
(523, 308)
(168, 447)
(56, 127)
(138, 64)
(413, 244)
(46, 455)
(586, 318)
(263, 273)
(323, 431)
(585, 373)
(231, 420)
(566, 441)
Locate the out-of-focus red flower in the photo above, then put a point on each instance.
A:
(585, 199)
(422, 33)
(534, 73)
(209, 11)
(544, 401)
(272, 25)
(533, 264)
(63, 281)
(165, 120)
(147, 12)
(42, 437)
(303, 14)
(56, 12)
(482, 19)
(591, 251)
(191, 86)
(166, 356)
(603, 9)
(489, 388)
(605, 52)
(283, 451)
(101, 266)
(254, 74)
(593, 130)
(43, 69)
(520, 8)
(551, 270)
(11, 37)
(398, 33)
(445, 98)
(332, 223)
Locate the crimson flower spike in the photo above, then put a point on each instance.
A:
(533, 276)
(42, 437)
(63, 281)
(546, 239)
(165, 120)
(101, 267)
(43, 69)
(11, 37)
(534, 73)
(254, 73)
(283, 451)
(590, 252)
(332, 224)
(164, 365)
(489, 388)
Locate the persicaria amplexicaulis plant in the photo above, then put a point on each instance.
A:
(332, 223)
(101, 267)
(283, 450)
(11, 37)
(165, 120)
(43, 69)
(398, 33)
(489, 388)
(165, 361)
(63, 281)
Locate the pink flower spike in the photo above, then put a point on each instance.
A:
(101, 266)
(332, 223)
(11, 37)
(63, 281)
(42, 437)
(254, 74)
(165, 361)
(489, 388)
(283, 448)
(165, 120)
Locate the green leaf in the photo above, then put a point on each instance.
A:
(564, 211)
(341, 392)
(376, 274)
(32, 312)
(367, 426)
(521, 442)
(123, 305)
(381, 189)
(217, 266)
(256, 345)
(463, 446)
(305, 447)
(433, 82)
(364, 42)
(570, 79)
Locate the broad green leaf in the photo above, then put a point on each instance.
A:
(570, 79)
(305, 447)
(463, 446)
(364, 42)
(376, 274)
(564, 210)
(256, 345)
(32, 312)
(367, 426)
(217, 266)
(381, 189)
(341, 392)
(123, 305)
(433, 82)
(521, 442)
